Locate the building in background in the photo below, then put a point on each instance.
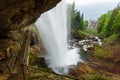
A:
(92, 24)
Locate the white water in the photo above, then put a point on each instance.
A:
(52, 26)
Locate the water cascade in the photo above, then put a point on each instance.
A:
(52, 26)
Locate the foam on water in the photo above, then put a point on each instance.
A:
(52, 27)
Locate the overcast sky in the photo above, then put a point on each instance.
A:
(92, 9)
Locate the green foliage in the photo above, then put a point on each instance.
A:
(92, 31)
(99, 51)
(111, 40)
(77, 20)
(109, 23)
(78, 24)
(78, 34)
(102, 24)
(113, 26)
(106, 49)
(85, 24)
(83, 33)
(32, 59)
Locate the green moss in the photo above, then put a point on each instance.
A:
(40, 75)
(99, 77)
(94, 76)
(32, 59)
(110, 40)
(99, 51)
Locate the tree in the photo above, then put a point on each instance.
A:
(113, 26)
(103, 23)
(109, 23)
(77, 19)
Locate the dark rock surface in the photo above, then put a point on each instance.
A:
(15, 17)
(15, 14)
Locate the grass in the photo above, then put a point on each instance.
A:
(110, 47)
(43, 73)
(40, 75)
(92, 32)
(94, 76)
(99, 51)
(111, 40)
(83, 33)
(78, 34)
(99, 77)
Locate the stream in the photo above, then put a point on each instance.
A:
(84, 45)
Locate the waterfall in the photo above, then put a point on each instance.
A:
(52, 27)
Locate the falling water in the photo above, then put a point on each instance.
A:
(52, 26)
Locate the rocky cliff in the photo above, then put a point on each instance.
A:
(15, 15)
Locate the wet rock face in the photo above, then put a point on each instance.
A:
(10, 43)
(15, 14)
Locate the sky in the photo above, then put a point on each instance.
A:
(92, 9)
